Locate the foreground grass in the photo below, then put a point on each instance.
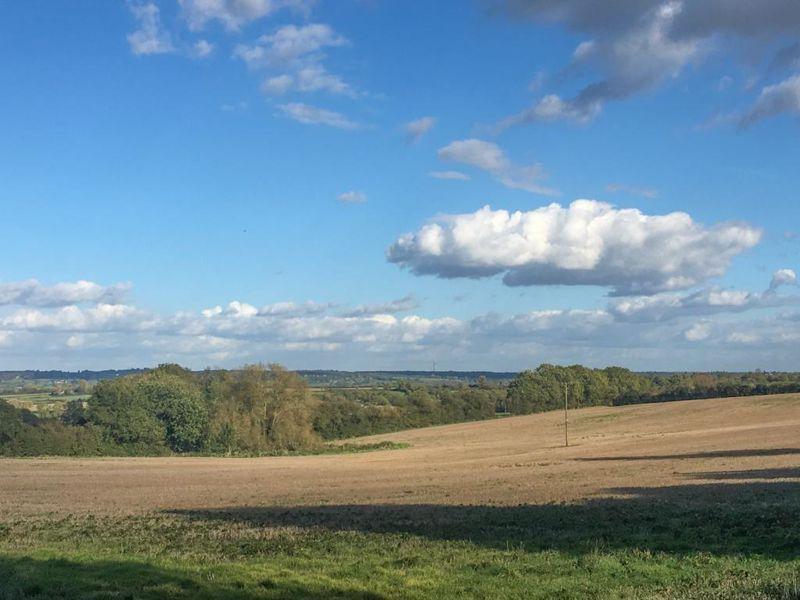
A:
(725, 540)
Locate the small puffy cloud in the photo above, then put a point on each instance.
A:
(313, 78)
(698, 332)
(451, 175)
(403, 304)
(150, 37)
(586, 243)
(782, 277)
(312, 115)
(489, 157)
(633, 190)
(202, 49)
(290, 45)
(352, 197)
(75, 341)
(296, 53)
(416, 129)
(553, 108)
(33, 293)
(234, 13)
(783, 97)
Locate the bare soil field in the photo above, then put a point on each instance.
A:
(641, 451)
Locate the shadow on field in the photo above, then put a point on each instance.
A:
(37, 579)
(697, 455)
(785, 473)
(756, 518)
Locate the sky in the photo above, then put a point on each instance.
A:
(380, 184)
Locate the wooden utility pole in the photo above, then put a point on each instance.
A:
(566, 415)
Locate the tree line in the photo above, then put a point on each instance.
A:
(261, 410)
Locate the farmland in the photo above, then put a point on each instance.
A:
(42, 404)
(684, 499)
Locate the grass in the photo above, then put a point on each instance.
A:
(326, 448)
(732, 539)
(353, 448)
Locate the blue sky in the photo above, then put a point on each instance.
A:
(164, 158)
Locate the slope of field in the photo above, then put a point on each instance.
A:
(684, 499)
(508, 461)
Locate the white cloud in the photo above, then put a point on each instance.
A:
(698, 332)
(373, 336)
(783, 97)
(586, 243)
(419, 127)
(150, 38)
(352, 197)
(782, 277)
(313, 78)
(290, 45)
(312, 115)
(296, 54)
(489, 157)
(664, 307)
(33, 293)
(76, 341)
(232, 14)
(73, 318)
(451, 175)
(202, 49)
(290, 309)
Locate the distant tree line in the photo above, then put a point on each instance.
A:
(544, 388)
(343, 413)
(261, 410)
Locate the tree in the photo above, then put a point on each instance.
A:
(74, 413)
(268, 408)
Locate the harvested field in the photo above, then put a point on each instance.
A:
(511, 461)
(696, 499)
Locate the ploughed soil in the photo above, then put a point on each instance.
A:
(624, 452)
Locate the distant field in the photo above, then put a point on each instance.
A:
(696, 499)
(41, 403)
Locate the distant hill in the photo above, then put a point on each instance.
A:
(329, 378)
(326, 378)
(67, 375)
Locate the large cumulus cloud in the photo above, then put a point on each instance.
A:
(586, 243)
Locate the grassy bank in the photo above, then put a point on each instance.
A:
(726, 540)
